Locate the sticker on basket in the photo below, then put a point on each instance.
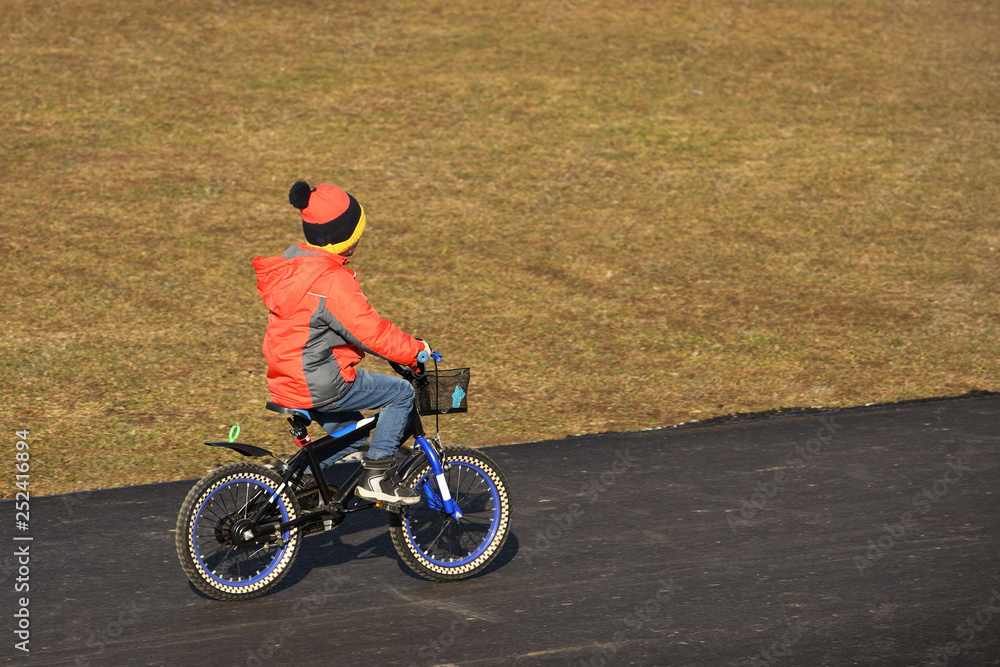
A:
(456, 397)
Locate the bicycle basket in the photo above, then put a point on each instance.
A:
(443, 392)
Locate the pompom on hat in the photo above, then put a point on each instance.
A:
(331, 218)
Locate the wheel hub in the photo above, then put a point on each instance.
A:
(223, 530)
(243, 533)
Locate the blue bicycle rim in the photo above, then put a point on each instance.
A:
(434, 501)
(274, 560)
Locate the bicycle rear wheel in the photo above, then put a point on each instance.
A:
(431, 542)
(212, 540)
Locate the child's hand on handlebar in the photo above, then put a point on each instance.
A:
(427, 348)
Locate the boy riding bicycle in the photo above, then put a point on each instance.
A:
(320, 326)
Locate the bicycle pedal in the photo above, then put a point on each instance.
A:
(396, 508)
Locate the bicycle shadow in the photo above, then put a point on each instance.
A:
(363, 536)
(338, 548)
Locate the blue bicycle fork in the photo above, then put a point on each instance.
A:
(448, 503)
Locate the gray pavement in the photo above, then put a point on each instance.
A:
(860, 537)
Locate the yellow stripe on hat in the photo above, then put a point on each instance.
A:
(337, 248)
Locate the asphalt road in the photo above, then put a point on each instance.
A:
(867, 536)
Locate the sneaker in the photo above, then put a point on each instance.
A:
(380, 482)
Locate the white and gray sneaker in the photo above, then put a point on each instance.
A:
(380, 482)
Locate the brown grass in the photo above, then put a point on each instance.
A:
(621, 215)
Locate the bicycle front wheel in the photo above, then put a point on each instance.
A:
(214, 537)
(431, 542)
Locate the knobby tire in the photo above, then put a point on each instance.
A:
(430, 542)
(208, 555)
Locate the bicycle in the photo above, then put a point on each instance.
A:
(240, 527)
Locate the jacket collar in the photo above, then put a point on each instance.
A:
(304, 249)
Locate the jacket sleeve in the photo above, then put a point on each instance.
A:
(354, 319)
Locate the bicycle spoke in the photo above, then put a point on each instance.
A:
(210, 541)
(220, 498)
(209, 510)
(226, 561)
(446, 549)
(476, 499)
(438, 537)
(469, 520)
(244, 509)
(459, 534)
(481, 526)
(473, 542)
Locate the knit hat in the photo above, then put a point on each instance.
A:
(331, 218)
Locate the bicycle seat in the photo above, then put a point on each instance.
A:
(274, 407)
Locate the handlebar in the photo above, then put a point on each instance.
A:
(422, 356)
(420, 371)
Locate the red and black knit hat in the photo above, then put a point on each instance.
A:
(331, 218)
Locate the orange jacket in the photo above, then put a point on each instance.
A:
(319, 326)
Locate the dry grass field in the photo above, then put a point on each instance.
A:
(621, 215)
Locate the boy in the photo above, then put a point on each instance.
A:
(320, 325)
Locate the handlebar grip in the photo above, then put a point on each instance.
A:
(423, 357)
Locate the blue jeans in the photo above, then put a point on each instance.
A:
(371, 391)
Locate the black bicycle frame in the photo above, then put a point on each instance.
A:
(333, 506)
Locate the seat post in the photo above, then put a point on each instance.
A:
(299, 419)
(299, 430)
